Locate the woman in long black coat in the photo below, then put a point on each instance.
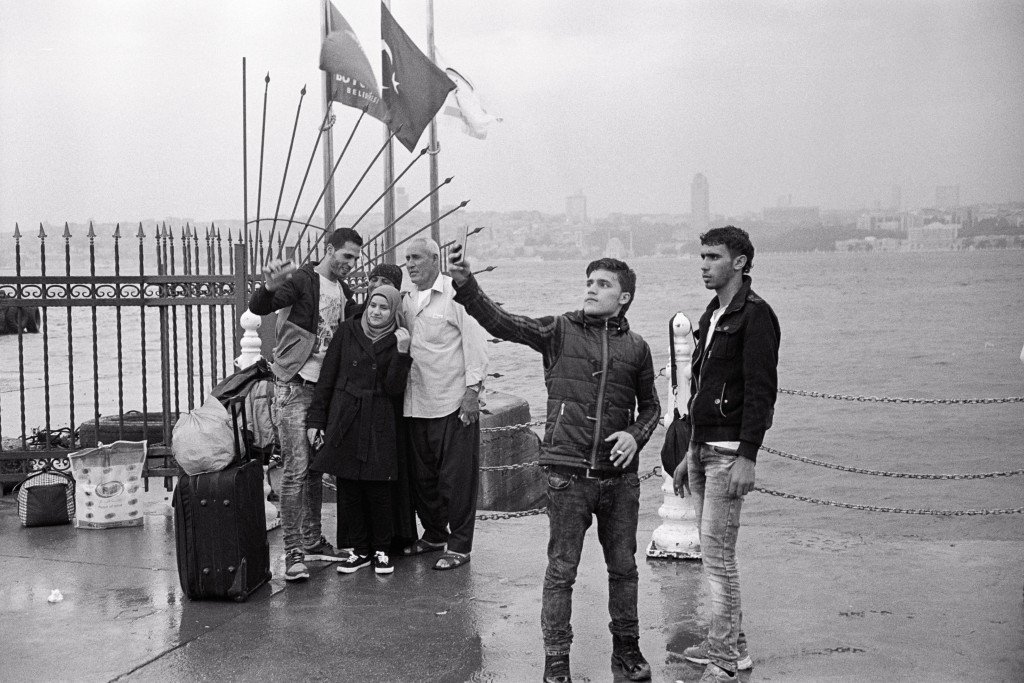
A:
(355, 414)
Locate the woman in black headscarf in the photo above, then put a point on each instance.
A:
(353, 420)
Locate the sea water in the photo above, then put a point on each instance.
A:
(927, 325)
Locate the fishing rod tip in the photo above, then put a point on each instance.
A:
(303, 91)
(267, 78)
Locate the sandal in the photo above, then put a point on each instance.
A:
(421, 546)
(450, 560)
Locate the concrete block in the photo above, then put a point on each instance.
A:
(508, 490)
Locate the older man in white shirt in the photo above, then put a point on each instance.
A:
(442, 404)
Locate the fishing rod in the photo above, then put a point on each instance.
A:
(263, 140)
(388, 188)
(324, 126)
(379, 257)
(409, 210)
(327, 183)
(359, 182)
(287, 163)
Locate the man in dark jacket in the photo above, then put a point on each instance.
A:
(733, 386)
(597, 373)
(310, 302)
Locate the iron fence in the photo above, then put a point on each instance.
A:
(120, 332)
(131, 329)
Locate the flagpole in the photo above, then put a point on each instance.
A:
(389, 182)
(435, 199)
(325, 28)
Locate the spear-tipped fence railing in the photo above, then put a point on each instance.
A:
(91, 374)
(87, 376)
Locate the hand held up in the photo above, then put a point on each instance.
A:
(276, 273)
(458, 267)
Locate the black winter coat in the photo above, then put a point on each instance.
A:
(734, 382)
(358, 404)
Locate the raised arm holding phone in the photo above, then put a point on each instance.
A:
(599, 415)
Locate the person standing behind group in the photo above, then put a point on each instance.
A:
(602, 409)
(442, 407)
(353, 421)
(310, 302)
(733, 387)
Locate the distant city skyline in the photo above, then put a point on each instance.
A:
(120, 110)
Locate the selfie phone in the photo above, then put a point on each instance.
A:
(465, 240)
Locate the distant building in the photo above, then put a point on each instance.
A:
(947, 197)
(700, 204)
(932, 237)
(895, 198)
(793, 215)
(576, 209)
(869, 244)
(885, 221)
(401, 201)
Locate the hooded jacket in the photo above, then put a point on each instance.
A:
(734, 381)
(297, 303)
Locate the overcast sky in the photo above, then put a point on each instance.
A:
(131, 109)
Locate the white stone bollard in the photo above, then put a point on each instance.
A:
(250, 342)
(252, 348)
(677, 537)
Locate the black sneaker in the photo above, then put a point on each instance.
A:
(382, 564)
(353, 563)
(324, 552)
(556, 669)
(295, 568)
(626, 653)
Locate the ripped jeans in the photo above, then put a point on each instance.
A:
(718, 519)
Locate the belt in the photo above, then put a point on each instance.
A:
(585, 472)
(302, 381)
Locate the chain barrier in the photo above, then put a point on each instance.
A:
(540, 511)
(512, 428)
(890, 399)
(877, 508)
(881, 473)
(508, 468)
(916, 401)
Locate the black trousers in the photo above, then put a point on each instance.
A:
(366, 508)
(446, 471)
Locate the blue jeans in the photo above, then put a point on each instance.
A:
(302, 490)
(718, 519)
(572, 504)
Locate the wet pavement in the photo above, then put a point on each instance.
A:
(818, 606)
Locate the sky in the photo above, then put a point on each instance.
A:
(132, 109)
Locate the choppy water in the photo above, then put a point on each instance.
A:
(931, 325)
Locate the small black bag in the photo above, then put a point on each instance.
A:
(677, 440)
(677, 433)
(46, 498)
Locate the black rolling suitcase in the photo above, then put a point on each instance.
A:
(220, 529)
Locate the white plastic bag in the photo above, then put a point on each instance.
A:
(202, 440)
(109, 485)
